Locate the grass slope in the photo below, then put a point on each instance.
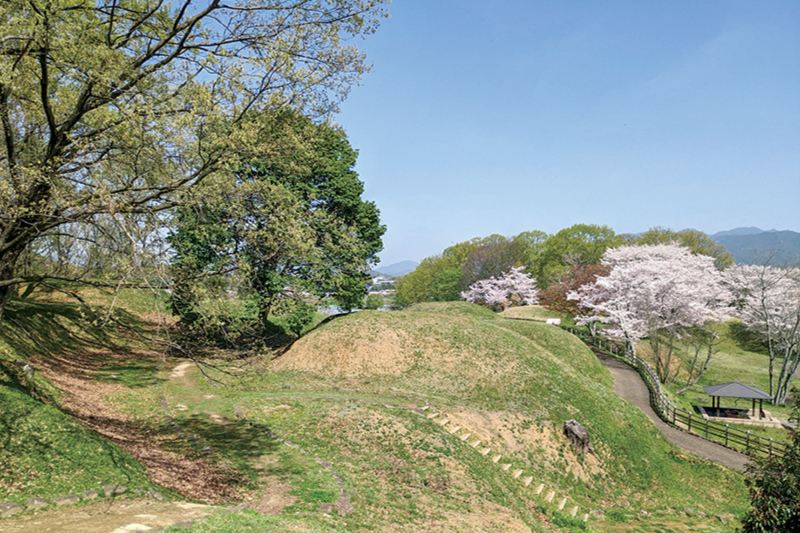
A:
(43, 451)
(343, 393)
(517, 383)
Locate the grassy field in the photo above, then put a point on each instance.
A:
(344, 396)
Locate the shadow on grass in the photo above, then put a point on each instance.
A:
(44, 328)
(234, 441)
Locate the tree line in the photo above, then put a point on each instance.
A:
(547, 258)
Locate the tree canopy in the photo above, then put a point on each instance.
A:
(109, 110)
(658, 292)
(697, 241)
(767, 300)
(577, 245)
(290, 223)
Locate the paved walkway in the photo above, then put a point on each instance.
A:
(630, 386)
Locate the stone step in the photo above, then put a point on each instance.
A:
(496, 458)
(506, 466)
(465, 436)
(539, 489)
(454, 430)
(517, 473)
(550, 496)
(486, 451)
(562, 504)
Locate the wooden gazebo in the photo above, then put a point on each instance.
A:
(737, 390)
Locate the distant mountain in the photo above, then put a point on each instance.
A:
(741, 231)
(754, 246)
(397, 269)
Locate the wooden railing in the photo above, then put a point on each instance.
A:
(734, 438)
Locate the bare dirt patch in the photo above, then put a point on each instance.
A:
(274, 496)
(179, 372)
(106, 516)
(195, 478)
(510, 432)
(365, 350)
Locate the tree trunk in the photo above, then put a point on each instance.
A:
(8, 263)
(790, 363)
(691, 381)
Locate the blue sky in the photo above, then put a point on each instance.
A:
(506, 116)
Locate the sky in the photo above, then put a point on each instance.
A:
(499, 117)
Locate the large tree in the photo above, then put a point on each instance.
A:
(109, 109)
(436, 278)
(499, 292)
(491, 259)
(291, 223)
(768, 303)
(657, 292)
(697, 241)
(580, 244)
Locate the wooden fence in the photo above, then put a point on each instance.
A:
(734, 438)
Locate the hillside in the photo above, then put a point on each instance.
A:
(397, 269)
(754, 246)
(335, 423)
(513, 384)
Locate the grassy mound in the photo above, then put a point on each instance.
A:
(514, 384)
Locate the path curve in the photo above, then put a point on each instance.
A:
(629, 385)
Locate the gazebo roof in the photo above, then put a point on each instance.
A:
(736, 390)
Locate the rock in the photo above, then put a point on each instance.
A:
(66, 500)
(110, 490)
(155, 495)
(722, 518)
(597, 513)
(89, 494)
(579, 437)
(343, 503)
(10, 509)
(36, 503)
(324, 464)
(325, 508)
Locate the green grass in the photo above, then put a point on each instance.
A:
(400, 469)
(46, 453)
(541, 374)
(253, 521)
(43, 451)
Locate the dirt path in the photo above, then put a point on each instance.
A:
(630, 386)
(108, 516)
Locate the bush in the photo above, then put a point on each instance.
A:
(775, 489)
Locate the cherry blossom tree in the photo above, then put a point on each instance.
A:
(656, 292)
(768, 303)
(497, 292)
